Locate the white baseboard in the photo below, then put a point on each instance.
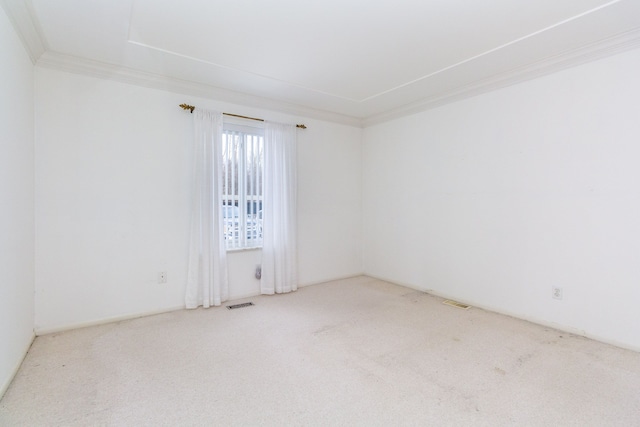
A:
(5, 386)
(111, 319)
(241, 296)
(538, 321)
(350, 276)
(102, 321)
(300, 285)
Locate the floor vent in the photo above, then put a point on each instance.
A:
(244, 304)
(456, 304)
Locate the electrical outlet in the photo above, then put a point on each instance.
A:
(556, 292)
(162, 277)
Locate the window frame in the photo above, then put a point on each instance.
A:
(241, 240)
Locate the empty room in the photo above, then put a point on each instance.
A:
(319, 213)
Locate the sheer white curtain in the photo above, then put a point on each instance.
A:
(279, 236)
(207, 282)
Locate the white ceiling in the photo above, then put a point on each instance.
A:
(350, 60)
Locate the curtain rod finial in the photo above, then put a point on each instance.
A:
(187, 107)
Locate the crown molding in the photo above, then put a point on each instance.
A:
(592, 52)
(91, 68)
(21, 17)
(47, 59)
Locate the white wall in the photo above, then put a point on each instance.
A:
(16, 202)
(329, 202)
(112, 196)
(495, 199)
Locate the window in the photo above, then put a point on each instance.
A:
(242, 169)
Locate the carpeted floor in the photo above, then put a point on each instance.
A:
(351, 352)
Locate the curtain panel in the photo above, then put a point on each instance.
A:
(279, 238)
(207, 280)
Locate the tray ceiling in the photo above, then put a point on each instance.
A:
(360, 60)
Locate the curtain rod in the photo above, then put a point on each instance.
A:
(191, 108)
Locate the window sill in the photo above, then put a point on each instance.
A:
(253, 248)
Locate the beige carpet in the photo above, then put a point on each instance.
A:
(352, 352)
